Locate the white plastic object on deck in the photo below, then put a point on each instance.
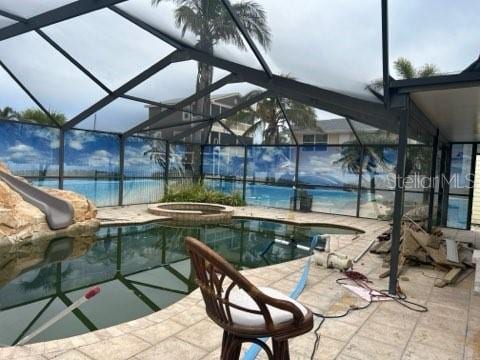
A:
(87, 296)
(333, 260)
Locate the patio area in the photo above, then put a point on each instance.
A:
(449, 330)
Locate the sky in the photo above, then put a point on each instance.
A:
(334, 44)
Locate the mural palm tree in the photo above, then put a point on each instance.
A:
(373, 159)
(158, 156)
(267, 116)
(418, 160)
(210, 22)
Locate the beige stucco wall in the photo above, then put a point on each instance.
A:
(476, 195)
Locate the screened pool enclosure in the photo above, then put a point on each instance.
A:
(278, 101)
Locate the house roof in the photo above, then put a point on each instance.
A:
(215, 98)
(473, 67)
(340, 125)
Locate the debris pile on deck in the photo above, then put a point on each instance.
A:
(417, 246)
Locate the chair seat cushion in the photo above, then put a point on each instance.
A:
(243, 318)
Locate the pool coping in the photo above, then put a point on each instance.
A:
(246, 217)
(282, 219)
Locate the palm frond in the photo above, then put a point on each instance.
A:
(253, 128)
(224, 28)
(187, 19)
(428, 70)
(9, 114)
(376, 84)
(39, 117)
(301, 115)
(254, 19)
(404, 68)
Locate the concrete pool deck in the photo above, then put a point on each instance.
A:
(449, 330)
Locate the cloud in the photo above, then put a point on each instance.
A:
(101, 158)
(20, 148)
(135, 156)
(22, 153)
(49, 134)
(75, 144)
(77, 139)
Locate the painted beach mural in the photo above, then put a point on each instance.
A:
(327, 175)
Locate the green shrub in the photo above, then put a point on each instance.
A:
(197, 192)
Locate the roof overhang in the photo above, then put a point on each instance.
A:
(456, 112)
(451, 102)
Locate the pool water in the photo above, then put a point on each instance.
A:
(140, 269)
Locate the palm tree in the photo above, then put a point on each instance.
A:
(268, 117)
(8, 113)
(406, 70)
(33, 115)
(38, 116)
(211, 23)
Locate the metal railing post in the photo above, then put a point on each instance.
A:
(385, 55)
(295, 192)
(61, 158)
(122, 170)
(202, 175)
(433, 171)
(245, 153)
(447, 154)
(471, 184)
(399, 196)
(167, 167)
(360, 176)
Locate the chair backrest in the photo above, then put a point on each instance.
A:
(211, 271)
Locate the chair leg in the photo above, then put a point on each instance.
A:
(231, 347)
(280, 350)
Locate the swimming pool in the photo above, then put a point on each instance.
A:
(140, 269)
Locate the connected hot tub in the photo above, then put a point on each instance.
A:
(191, 212)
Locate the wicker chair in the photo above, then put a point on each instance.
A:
(244, 311)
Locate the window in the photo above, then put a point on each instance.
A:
(216, 110)
(314, 139)
(321, 138)
(309, 139)
(186, 115)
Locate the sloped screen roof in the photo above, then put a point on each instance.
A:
(104, 64)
